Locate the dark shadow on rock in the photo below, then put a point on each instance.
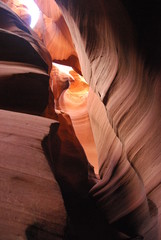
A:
(85, 220)
(37, 231)
(146, 18)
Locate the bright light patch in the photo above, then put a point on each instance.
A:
(63, 68)
(33, 10)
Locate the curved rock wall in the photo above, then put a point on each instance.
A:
(54, 33)
(128, 125)
(123, 105)
(31, 204)
(24, 66)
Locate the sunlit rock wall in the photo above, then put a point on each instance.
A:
(54, 33)
(70, 96)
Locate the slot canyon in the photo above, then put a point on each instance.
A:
(80, 120)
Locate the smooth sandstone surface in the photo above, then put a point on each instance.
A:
(70, 92)
(123, 107)
(128, 152)
(30, 198)
(31, 206)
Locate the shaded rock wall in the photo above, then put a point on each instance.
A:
(25, 64)
(20, 9)
(146, 20)
(31, 206)
(123, 105)
(129, 144)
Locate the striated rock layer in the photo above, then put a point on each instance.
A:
(126, 125)
(24, 66)
(123, 107)
(54, 33)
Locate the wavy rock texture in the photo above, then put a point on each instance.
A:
(123, 107)
(129, 158)
(70, 95)
(54, 33)
(126, 126)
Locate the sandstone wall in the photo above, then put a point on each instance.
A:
(127, 125)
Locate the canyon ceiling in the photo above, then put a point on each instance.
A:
(80, 147)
